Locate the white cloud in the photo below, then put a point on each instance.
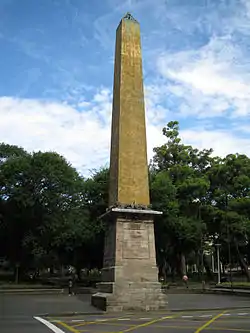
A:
(82, 137)
(222, 141)
(211, 80)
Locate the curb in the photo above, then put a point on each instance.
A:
(209, 291)
(71, 314)
(31, 291)
(228, 292)
(210, 309)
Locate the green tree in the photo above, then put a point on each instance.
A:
(184, 169)
(44, 213)
(229, 196)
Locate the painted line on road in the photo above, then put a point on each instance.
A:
(148, 318)
(146, 324)
(209, 322)
(96, 321)
(145, 318)
(51, 326)
(123, 319)
(70, 328)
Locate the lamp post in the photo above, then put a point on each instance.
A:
(218, 260)
(228, 243)
(198, 202)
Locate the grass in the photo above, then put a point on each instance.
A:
(239, 285)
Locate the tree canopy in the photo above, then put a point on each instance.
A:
(49, 213)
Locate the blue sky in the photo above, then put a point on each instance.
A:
(56, 70)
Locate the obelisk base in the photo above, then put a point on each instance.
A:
(130, 275)
(133, 297)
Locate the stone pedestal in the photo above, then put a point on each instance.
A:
(130, 274)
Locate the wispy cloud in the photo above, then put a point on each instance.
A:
(82, 137)
(58, 74)
(214, 77)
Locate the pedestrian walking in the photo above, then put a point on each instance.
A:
(185, 280)
(70, 286)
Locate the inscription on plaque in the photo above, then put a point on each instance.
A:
(135, 241)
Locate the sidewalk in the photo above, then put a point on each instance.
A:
(232, 291)
(29, 288)
(37, 289)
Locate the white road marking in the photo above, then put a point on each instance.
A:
(49, 325)
(145, 318)
(57, 330)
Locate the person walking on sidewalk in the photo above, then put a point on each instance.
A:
(185, 280)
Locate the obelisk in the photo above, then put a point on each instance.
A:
(130, 274)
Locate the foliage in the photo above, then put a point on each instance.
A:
(49, 214)
(43, 211)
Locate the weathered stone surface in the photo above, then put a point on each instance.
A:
(130, 274)
(139, 297)
(128, 159)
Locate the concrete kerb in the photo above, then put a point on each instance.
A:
(72, 314)
(168, 311)
(210, 309)
(31, 291)
(236, 292)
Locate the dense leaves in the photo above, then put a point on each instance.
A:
(44, 216)
(210, 196)
(49, 214)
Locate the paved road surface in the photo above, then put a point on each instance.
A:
(185, 322)
(17, 311)
(17, 314)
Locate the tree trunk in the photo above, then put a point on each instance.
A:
(173, 272)
(78, 273)
(183, 264)
(51, 270)
(207, 268)
(242, 262)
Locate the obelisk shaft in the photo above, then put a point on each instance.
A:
(128, 159)
(129, 274)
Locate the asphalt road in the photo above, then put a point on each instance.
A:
(184, 322)
(17, 314)
(17, 311)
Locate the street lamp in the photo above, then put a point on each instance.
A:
(228, 242)
(198, 202)
(218, 260)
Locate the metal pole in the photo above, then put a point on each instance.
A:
(202, 262)
(212, 258)
(229, 245)
(218, 261)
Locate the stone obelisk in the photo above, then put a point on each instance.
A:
(130, 274)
